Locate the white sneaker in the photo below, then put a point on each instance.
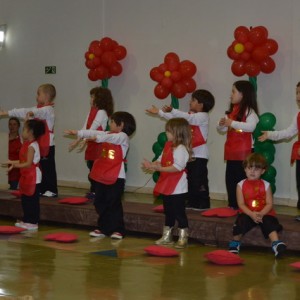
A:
(117, 236)
(27, 226)
(97, 233)
(49, 194)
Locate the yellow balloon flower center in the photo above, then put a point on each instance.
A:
(239, 48)
(91, 56)
(167, 73)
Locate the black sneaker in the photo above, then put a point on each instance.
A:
(234, 247)
(278, 248)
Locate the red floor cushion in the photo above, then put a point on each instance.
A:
(223, 257)
(16, 193)
(156, 250)
(159, 209)
(51, 237)
(296, 265)
(221, 212)
(62, 237)
(74, 200)
(4, 229)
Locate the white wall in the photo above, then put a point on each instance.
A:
(58, 33)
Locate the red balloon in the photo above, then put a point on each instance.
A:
(252, 68)
(167, 82)
(267, 65)
(93, 45)
(114, 44)
(259, 54)
(108, 58)
(96, 61)
(187, 69)
(106, 44)
(161, 92)
(190, 84)
(89, 64)
(241, 34)
(116, 69)
(232, 54)
(179, 90)
(175, 76)
(87, 55)
(92, 75)
(163, 68)
(120, 52)
(171, 57)
(98, 51)
(156, 75)
(258, 35)
(238, 68)
(101, 72)
(173, 65)
(248, 46)
(245, 56)
(271, 45)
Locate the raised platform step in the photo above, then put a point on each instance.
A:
(140, 217)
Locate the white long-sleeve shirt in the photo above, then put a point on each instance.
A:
(200, 119)
(101, 119)
(119, 138)
(43, 113)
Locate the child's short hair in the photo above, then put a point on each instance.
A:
(103, 99)
(127, 119)
(255, 160)
(15, 119)
(298, 84)
(36, 126)
(204, 97)
(48, 89)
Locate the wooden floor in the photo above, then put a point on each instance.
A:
(140, 218)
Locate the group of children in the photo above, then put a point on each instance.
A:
(183, 180)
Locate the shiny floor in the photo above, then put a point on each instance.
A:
(95, 268)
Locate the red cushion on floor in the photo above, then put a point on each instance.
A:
(296, 265)
(51, 237)
(74, 200)
(159, 208)
(10, 229)
(62, 237)
(221, 212)
(16, 193)
(223, 257)
(156, 250)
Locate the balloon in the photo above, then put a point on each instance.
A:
(245, 56)
(108, 58)
(167, 82)
(267, 65)
(162, 138)
(271, 46)
(232, 54)
(173, 65)
(120, 52)
(259, 54)
(163, 68)
(270, 174)
(252, 68)
(238, 68)
(157, 148)
(179, 90)
(239, 48)
(258, 35)
(187, 68)
(267, 121)
(161, 92)
(98, 51)
(175, 76)
(190, 84)
(96, 61)
(241, 34)
(93, 46)
(171, 57)
(156, 75)
(268, 156)
(106, 44)
(101, 72)
(89, 64)
(265, 146)
(257, 131)
(87, 55)
(92, 75)
(114, 45)
(248, 46)
(116, 69)
(155, 176)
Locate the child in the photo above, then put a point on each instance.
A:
(108, 172)
(255, 202)
(172, 183)
(14, 146)
(30, 179)
(239, 124)
(201, 103)
(101, 108)
(291, 131)
(43, 111)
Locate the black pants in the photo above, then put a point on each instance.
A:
(90, 164)
(234, 174)
(244, 223)
(49, 179)
(31, 207)
(197, 176)
(298, 181)
(108, 204)
(174, 209)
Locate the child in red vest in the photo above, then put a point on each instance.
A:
(101, 108)
(239, 123)
(255, 201)
(172, 182)
(108, 172)
(30, 179)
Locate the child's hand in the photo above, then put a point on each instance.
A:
(167, 108)
(82, 145)
(222, 122)
(7, 165)
(146, 164)
(73, 145)
(263, 137)
(70, 132)
(153, 110)
(29, 115)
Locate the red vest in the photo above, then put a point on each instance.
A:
(197, 137)
(167, 181)
(92, 151)
(107, 167)
(296, 146)
(27, 183)
(255, 195)
(14, 147)
(238, 143)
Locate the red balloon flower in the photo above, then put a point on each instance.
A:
(173, 76)
(251, 50)
(102, 59)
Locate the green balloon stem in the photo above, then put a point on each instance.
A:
(104, 83)
(174, 102)
(253, 80)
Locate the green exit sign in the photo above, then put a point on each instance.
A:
(50, 70)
